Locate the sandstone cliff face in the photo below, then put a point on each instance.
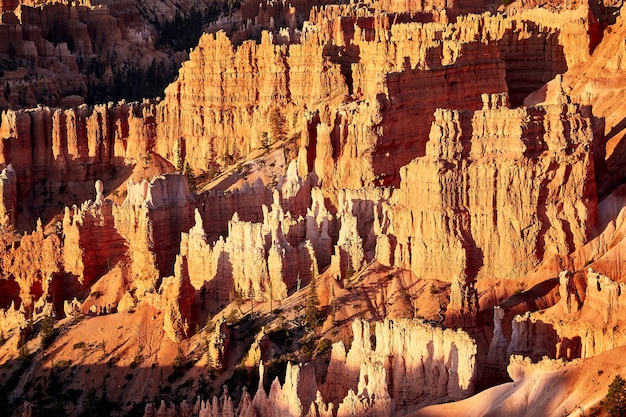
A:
(151, 220)
(398, 152)
(33, 265)
(92, 246)
(107, 250)
(55, 151)
(8, 191)
(410, 363)
(257, 260)
(226, 116)
(469, 217)
(581, 325)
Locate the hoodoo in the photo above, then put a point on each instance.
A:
(312, 209)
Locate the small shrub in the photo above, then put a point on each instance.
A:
(61, 364)
(138, 358)
(210, 327)
(433, 289)
(232, 317)
(323, 346)
(79, 345)
(23, 354)
(306, 350)
(312, 309)
(350, 272)
(179, 360)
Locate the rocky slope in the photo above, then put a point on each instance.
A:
(445, 170)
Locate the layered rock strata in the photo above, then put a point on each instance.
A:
(379, 65)
(55, 151)
(574, 333)
(465, 219)
(410, 363)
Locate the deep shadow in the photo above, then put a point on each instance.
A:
(569, 349)
(615, 130)
(217, 208)
(9, 293)
(344, 56)
(530, 62)
(414, 94)
(215, 294)
(527, 300)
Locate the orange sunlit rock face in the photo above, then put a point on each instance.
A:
(369, 209)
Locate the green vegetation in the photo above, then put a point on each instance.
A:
(232, 317)
(281, 337)
(23, 354)
(242, 377)
(312, 307)
(179, 360)
(47, 332)
(324, 346)
(94, 406)
(191, 178)
(615, 400)
(350, 272)
(275, 368)
(277, 126)
(79, 345)
(180, 365)
(433, 289)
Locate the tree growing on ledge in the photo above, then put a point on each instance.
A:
(277, 125)
(47, 331)
(312, 307)
(615, 400)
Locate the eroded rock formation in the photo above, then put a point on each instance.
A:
(468, 217)
(412, 361)
(380, 147)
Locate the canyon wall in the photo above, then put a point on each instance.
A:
(56, 151)
(369, 148)
(228, 109)
(411, 362)
(487, 198)
(581, 325)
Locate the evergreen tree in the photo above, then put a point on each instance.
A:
(47, 330)
(277, 125)
(615, 400)
(312, 307)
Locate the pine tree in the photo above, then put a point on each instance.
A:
(312, 308)
(277, 125)
(615, 400)
(47, 330)
(179, 360)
